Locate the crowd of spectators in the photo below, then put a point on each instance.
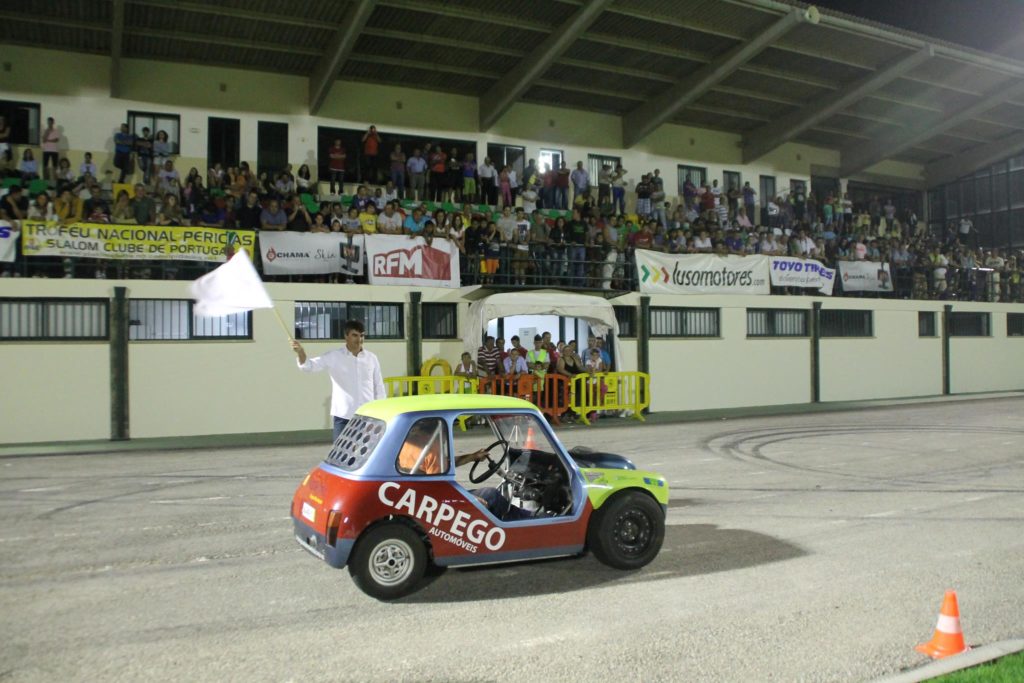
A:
(549, 227)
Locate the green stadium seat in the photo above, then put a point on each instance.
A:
(346, 200)
(38, 185)
(11, 182)
(216, 192)
(449, 207)
(312, 205)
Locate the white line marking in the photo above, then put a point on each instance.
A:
(887, 513)
(41, 489)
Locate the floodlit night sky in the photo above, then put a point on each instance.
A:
(988, 25)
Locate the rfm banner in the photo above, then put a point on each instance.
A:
(311, 253)
(701, 273)
(400, 260)
(8, 242)
(133, 242)
(865, 276)
(788, 271)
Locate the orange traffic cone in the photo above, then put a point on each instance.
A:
(530, 443)
(948, 639)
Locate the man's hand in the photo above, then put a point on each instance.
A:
(299, 351)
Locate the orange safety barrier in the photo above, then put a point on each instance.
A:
(553, 398)
(519, 386)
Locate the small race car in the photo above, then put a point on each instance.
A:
(387, 503)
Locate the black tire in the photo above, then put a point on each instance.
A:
(627, 531)
(388, 561)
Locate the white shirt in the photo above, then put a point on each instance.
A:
(355, 380)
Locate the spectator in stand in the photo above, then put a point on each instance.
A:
(51, 149)
(122, 211)
(368, 220)
(284, 185)
(170, 212)
(491, 249)
(371, 148)
(506, 187)
(162, 149)
(320, 223)
(466, 367)
(41, 209)
(414, 223)
(515, 363)
(453, 177)
(65, 177)
(416, 166)
(576, 238)
(214, 213)
(28, 169)
(144, 153)
(273, 217)
(488, 359)
(143, 206)
(561, 187)
(604, 185)
(5, 135)
(750, 201)
(168, 178)
(124, 143)
(87, 166)
(299, 219)
(336, 167)
(350, 224)
(438, 162)
(397, 169)
(469, 172)
(67, 207)
(539, 238)
(390, 222)
(303, 180)
(488, 182)
(580, 181)
(14, 206)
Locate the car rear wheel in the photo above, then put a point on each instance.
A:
(388, 562)
(627, 531)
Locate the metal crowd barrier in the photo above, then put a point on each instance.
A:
(626, 392)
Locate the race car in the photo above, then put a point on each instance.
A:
(388, 504)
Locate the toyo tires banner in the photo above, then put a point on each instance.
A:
(865, 276)
(789, 271)
(701, 273)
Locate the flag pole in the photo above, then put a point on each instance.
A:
(283, 326)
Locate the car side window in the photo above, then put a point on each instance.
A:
(425, 449)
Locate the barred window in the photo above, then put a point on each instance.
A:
(926, 324)
(969, 325)
(626, 317)
(698, 175)
(326, 319)
(174, 319)
(440, 321)
(1015, 324)
(54, 319)
(684, 322)
(839, 323)
(780, 322)
(596, 161)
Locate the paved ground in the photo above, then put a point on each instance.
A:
(799, 548)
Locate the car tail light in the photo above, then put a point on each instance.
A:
(334, 518)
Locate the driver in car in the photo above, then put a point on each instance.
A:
(422, 436)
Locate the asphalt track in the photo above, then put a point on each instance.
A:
(809, 548)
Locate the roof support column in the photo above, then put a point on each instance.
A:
(326, 72)
(116, 45)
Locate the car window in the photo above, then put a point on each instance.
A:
(356, 442)
(425, 449)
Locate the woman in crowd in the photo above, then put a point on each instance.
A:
(162, 149)
(29, 167)
(65, 176)
(170, 211)
(122, 211)
(303, 179)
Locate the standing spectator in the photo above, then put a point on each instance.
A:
(488, 187)
(576, 237)
(336, 166)
(5, 135)
(51, 143)
(371, 149)
(604, 184)
(162, 149)
(618, 180)
(547, 192)
(398, 170)
(749, 199)
(416, 166)
(506, 186)
(28, 169)
(539, 248)
(438, 162)
(355, 374)
(965, 229)
(144, 153)
(469, 179)
(303, 179)
(124, 143)
(643, 197)
(562, 187)
(454, 176)
(466, 366)
(580, 181)
(488, 359)
(513, 183)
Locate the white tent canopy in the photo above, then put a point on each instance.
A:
(595, 310)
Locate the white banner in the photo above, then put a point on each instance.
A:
(311, 253)
(8, 242)
(865, 276)
(403, 260)
(788, 271)
(701, 273)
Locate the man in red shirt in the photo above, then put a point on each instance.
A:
(547, 195)
(336, 166)
(371, 148)
(438, 161)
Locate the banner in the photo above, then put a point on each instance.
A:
(865, 276)
(133, 242)
(311, 253)
(403, 260)
(8, 242)
(788, 271)
(701, 273)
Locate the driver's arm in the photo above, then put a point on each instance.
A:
(475, 456)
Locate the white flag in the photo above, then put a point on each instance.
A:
(234, 287)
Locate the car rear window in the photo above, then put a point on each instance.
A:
(356, 442)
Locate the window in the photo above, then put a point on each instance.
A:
(168, 123)
(511, 155)
(684, 322)
(626, 317)
(23, 118)
(767, 189)
(356, 442)
(1015, 324)
(326, 319)
(54, 319)
(836, 323)
(969, 325)
(596, 161)
(731, 180)
(425, 451)
(272, 147)
(549, 158)
(223, 139)
(173, 319)
(766, 322)
(926, 324)
(440, 321)
(695, 174)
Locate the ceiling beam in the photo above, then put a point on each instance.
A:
(222, 10)
(470, 14)
(116, 48)
(854, 160)
(781, 130)
(643, 120)
(502, 95)
(957, 166)
(326, 72)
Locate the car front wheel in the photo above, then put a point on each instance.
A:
(388, 562)
(627, 531)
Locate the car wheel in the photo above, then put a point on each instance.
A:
(627, 531)
(388, 561)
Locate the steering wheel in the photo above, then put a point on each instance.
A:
(494, 466)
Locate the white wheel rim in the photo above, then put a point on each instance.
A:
(391, 562)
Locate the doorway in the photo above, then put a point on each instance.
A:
(271, 147)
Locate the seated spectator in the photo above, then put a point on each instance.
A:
(319, 223)
(170, 211)
(390, 222)
(143, 206)
(14, 206)
(8, 169)
(214, 213)
(299, 219)
(166, 175)
(65, 177)
(466, 367)
(362, 198)
(414, 223)
(515, 364)
(351, 224)
(284, 185)
(247, 216)
(68, 207)
(488, 359)
(368, 220)
(303, 180)
(41, 209)
(273, 217)
(29, 167)
(87, 167)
